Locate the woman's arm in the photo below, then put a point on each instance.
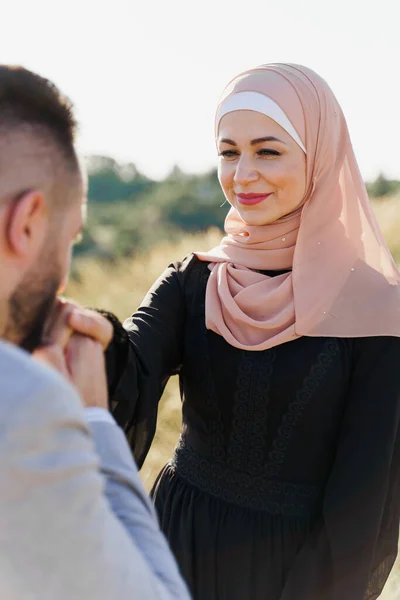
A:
(350, 555)
(144, 354)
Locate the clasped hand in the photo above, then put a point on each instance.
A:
(74, 341)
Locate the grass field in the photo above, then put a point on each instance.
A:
(121, 287)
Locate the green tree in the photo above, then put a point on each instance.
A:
(109, 181)
(380, 187)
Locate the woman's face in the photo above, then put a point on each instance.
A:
(262, 171)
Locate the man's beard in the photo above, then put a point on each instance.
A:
(32, 302)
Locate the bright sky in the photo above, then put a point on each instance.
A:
(146, 75)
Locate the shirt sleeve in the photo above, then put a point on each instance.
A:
(96, 414)
(351, 552)
(59, 535)
(122, 485)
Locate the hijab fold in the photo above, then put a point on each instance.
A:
(340, 279)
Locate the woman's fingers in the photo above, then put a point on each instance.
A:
(92, 324)
(68, 317)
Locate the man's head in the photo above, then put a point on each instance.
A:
(42, 196)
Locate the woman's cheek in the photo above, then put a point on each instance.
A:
(225, 181)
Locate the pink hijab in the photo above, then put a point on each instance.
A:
(342, 280)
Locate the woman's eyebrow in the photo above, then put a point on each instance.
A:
(227, 141)
(268, 138)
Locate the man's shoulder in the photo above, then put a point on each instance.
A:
(23, 381)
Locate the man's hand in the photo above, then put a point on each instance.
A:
(86, 366)
(69, 317)
(82, 363)
(74, 341)
(52, 356)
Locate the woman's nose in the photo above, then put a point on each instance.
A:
(245, 172)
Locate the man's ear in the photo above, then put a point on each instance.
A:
(27, 225)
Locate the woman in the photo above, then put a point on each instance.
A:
(285, 482)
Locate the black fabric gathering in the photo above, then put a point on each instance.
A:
(284, 484)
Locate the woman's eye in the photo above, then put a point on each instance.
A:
(228, 153)
(268, 152)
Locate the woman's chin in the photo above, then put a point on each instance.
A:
(257, 218)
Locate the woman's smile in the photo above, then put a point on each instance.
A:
(252, 199)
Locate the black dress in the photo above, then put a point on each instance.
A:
(285, 483)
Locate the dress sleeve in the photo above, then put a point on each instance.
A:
(153, 352)
(351, 552)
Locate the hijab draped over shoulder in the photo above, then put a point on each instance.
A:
(340, 279)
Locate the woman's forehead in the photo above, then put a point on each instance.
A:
(247, 125)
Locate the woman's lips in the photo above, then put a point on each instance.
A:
(251, 199)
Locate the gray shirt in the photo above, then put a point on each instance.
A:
(75, 521)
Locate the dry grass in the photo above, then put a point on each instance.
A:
(121, 287)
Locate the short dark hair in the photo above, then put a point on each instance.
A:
(34, 107)
(27, 99)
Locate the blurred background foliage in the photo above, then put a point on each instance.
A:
(130, 213)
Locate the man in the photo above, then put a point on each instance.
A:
(66, 530)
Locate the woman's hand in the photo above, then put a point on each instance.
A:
(69, 317)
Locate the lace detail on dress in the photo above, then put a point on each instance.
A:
(248, 438)
(244, 489)
(296, 409)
